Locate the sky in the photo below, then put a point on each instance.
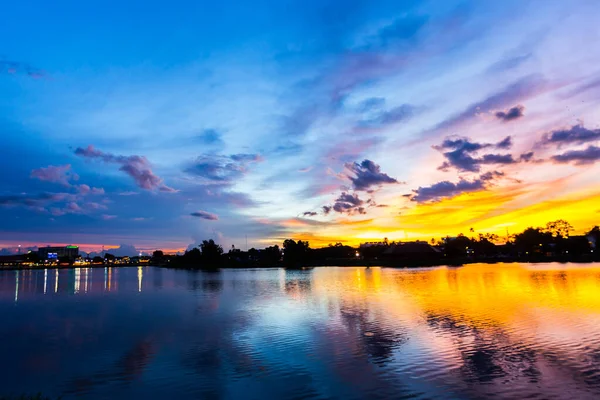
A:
(157, 125)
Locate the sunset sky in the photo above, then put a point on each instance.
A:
(160, 124)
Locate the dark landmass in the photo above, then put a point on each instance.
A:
(552, 243)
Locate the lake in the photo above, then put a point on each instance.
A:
(500, 331)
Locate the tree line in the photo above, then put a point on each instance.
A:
(551, 242)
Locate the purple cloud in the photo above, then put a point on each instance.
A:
(137, 167)
(309, 214)
(579, 157)
(205, 215)
(57, 174)
(86, 189)
(577, 134)
(446, 189)
(462, 154)
(223, 169)
(367, 174)
(511, 114)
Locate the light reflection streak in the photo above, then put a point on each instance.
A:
(77, 280)
(56, 281)
(45, 280)
(16, 286)
(140, 275)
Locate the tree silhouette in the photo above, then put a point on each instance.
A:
(295, 253)
(211, 252)
(533, 240)
(559, 228)
(158, 254)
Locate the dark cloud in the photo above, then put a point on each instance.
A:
(505, 143)
(309, 213)
(446, 189)
(347, 203)
(222, 169)
(497, 159)
(577, 134)
(137, 167)
(511, 114)
(205, 215)
(462, 154)
(352, 199)
(57, 174)
(21, 68)
(526, 157)
(367, 174)
(579, 157)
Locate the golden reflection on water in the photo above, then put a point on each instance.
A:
(474, 291)
(557, 301)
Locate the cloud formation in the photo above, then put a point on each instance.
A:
(349, 204)
(578, 157)
(205, 215)
(137, 167)
(462, 154)
(576, 134)
(60, 174)
(367, 174)
(446, 189)
(511, 114)
(223, 169)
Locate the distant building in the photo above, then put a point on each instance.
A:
(54, 253)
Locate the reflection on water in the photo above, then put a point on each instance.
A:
(503, 331)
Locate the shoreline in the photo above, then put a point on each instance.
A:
(399, 264)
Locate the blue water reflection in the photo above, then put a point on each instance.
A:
(503, 331)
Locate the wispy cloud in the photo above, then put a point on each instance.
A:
(137, 167)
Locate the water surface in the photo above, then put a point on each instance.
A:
(498, 331)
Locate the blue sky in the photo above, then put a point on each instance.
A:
(160, 124)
